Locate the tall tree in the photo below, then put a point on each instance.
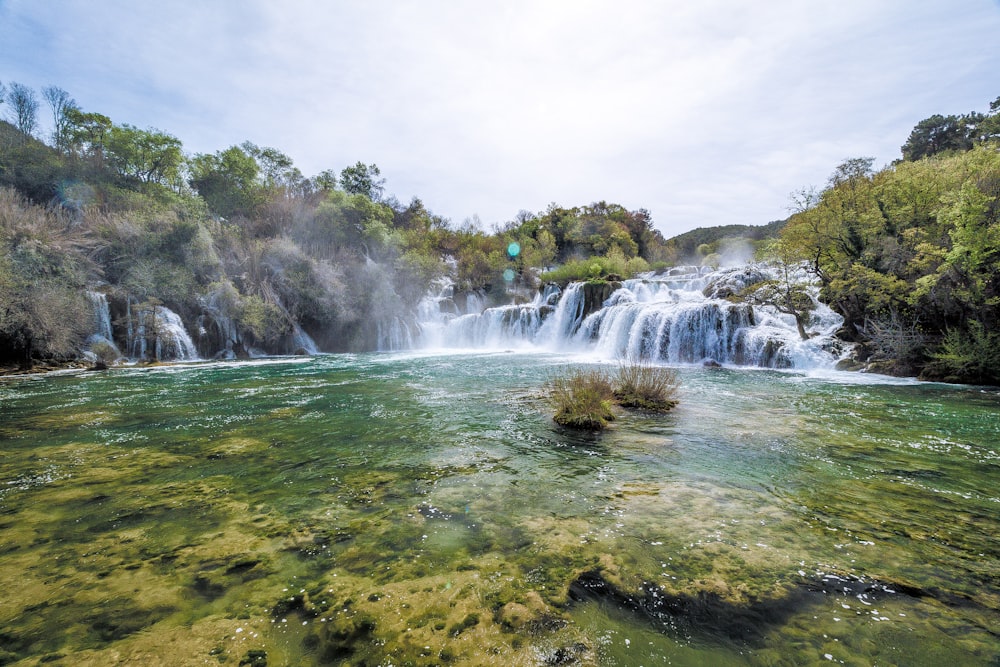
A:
(86, 133)
(935, 135)
(60, 103)
(227, 181)
(362, 179)
(149, 156)
(23, 108)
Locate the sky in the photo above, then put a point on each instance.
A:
(705, 113)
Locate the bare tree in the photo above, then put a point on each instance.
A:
(23, 107)
(60, 103)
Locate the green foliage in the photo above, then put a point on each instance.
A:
(263, 322)
(941, 134)
(227, 181)
(362, 179)
(146, 156)
(704, 241)
(597, 229)
(916, 242)
(935, 135)
(613, 266)
(970, 355)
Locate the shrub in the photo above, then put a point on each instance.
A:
(596, 268)
(970, 355)
(642, 385)
(583, 399)
(105, 353)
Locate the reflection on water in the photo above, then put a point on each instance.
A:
(426, 510)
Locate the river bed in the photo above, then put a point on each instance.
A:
(423, 509)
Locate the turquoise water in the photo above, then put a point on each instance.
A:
(393, 509)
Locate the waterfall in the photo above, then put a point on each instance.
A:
(303, 342)
(439, 308)
(393, 334)
(158, 333)
(101, 335)
(686, 315)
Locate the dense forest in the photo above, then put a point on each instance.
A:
(251, 253)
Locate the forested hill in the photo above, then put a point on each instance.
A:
(701, 242)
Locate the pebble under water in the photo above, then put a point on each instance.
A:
(426, 510)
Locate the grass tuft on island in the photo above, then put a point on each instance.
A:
(642, 385)
(585, 398)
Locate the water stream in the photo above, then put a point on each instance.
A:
(423, 509)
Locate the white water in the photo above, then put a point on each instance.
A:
(303, 342)
(158, 333)
(101, 327)
(393, 335)
(681, 317)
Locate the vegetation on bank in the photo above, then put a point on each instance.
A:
(249, 251)
(910, 255)
(241, 244)
(586, 398)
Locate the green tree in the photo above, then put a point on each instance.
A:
(362, 179)
(935, 135)
(227, 181)
(147, 156)
(87, 132)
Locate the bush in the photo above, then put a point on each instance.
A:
(583, 399)
(971, 355)
(645, 386)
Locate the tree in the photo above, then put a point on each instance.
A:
(23, 108)
(86, 133)
(227, 181)
(276, 168)
(785, 294)
(325, 180)
(60, 103)
(362, 179)
(934, 135)
(148, 156)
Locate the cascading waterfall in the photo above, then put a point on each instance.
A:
(101, 332)
(158, 333)
(682, 316)
(101, 328)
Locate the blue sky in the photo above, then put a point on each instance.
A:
(705, 113)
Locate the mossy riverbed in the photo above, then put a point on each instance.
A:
(380, 510)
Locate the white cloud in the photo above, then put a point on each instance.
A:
(704, 113)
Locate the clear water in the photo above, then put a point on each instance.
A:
(425, 509)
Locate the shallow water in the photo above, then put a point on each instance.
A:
(424, 509)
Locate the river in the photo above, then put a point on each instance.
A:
(423, 508)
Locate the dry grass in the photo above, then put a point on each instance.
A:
(583, 399)
(642, 385)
